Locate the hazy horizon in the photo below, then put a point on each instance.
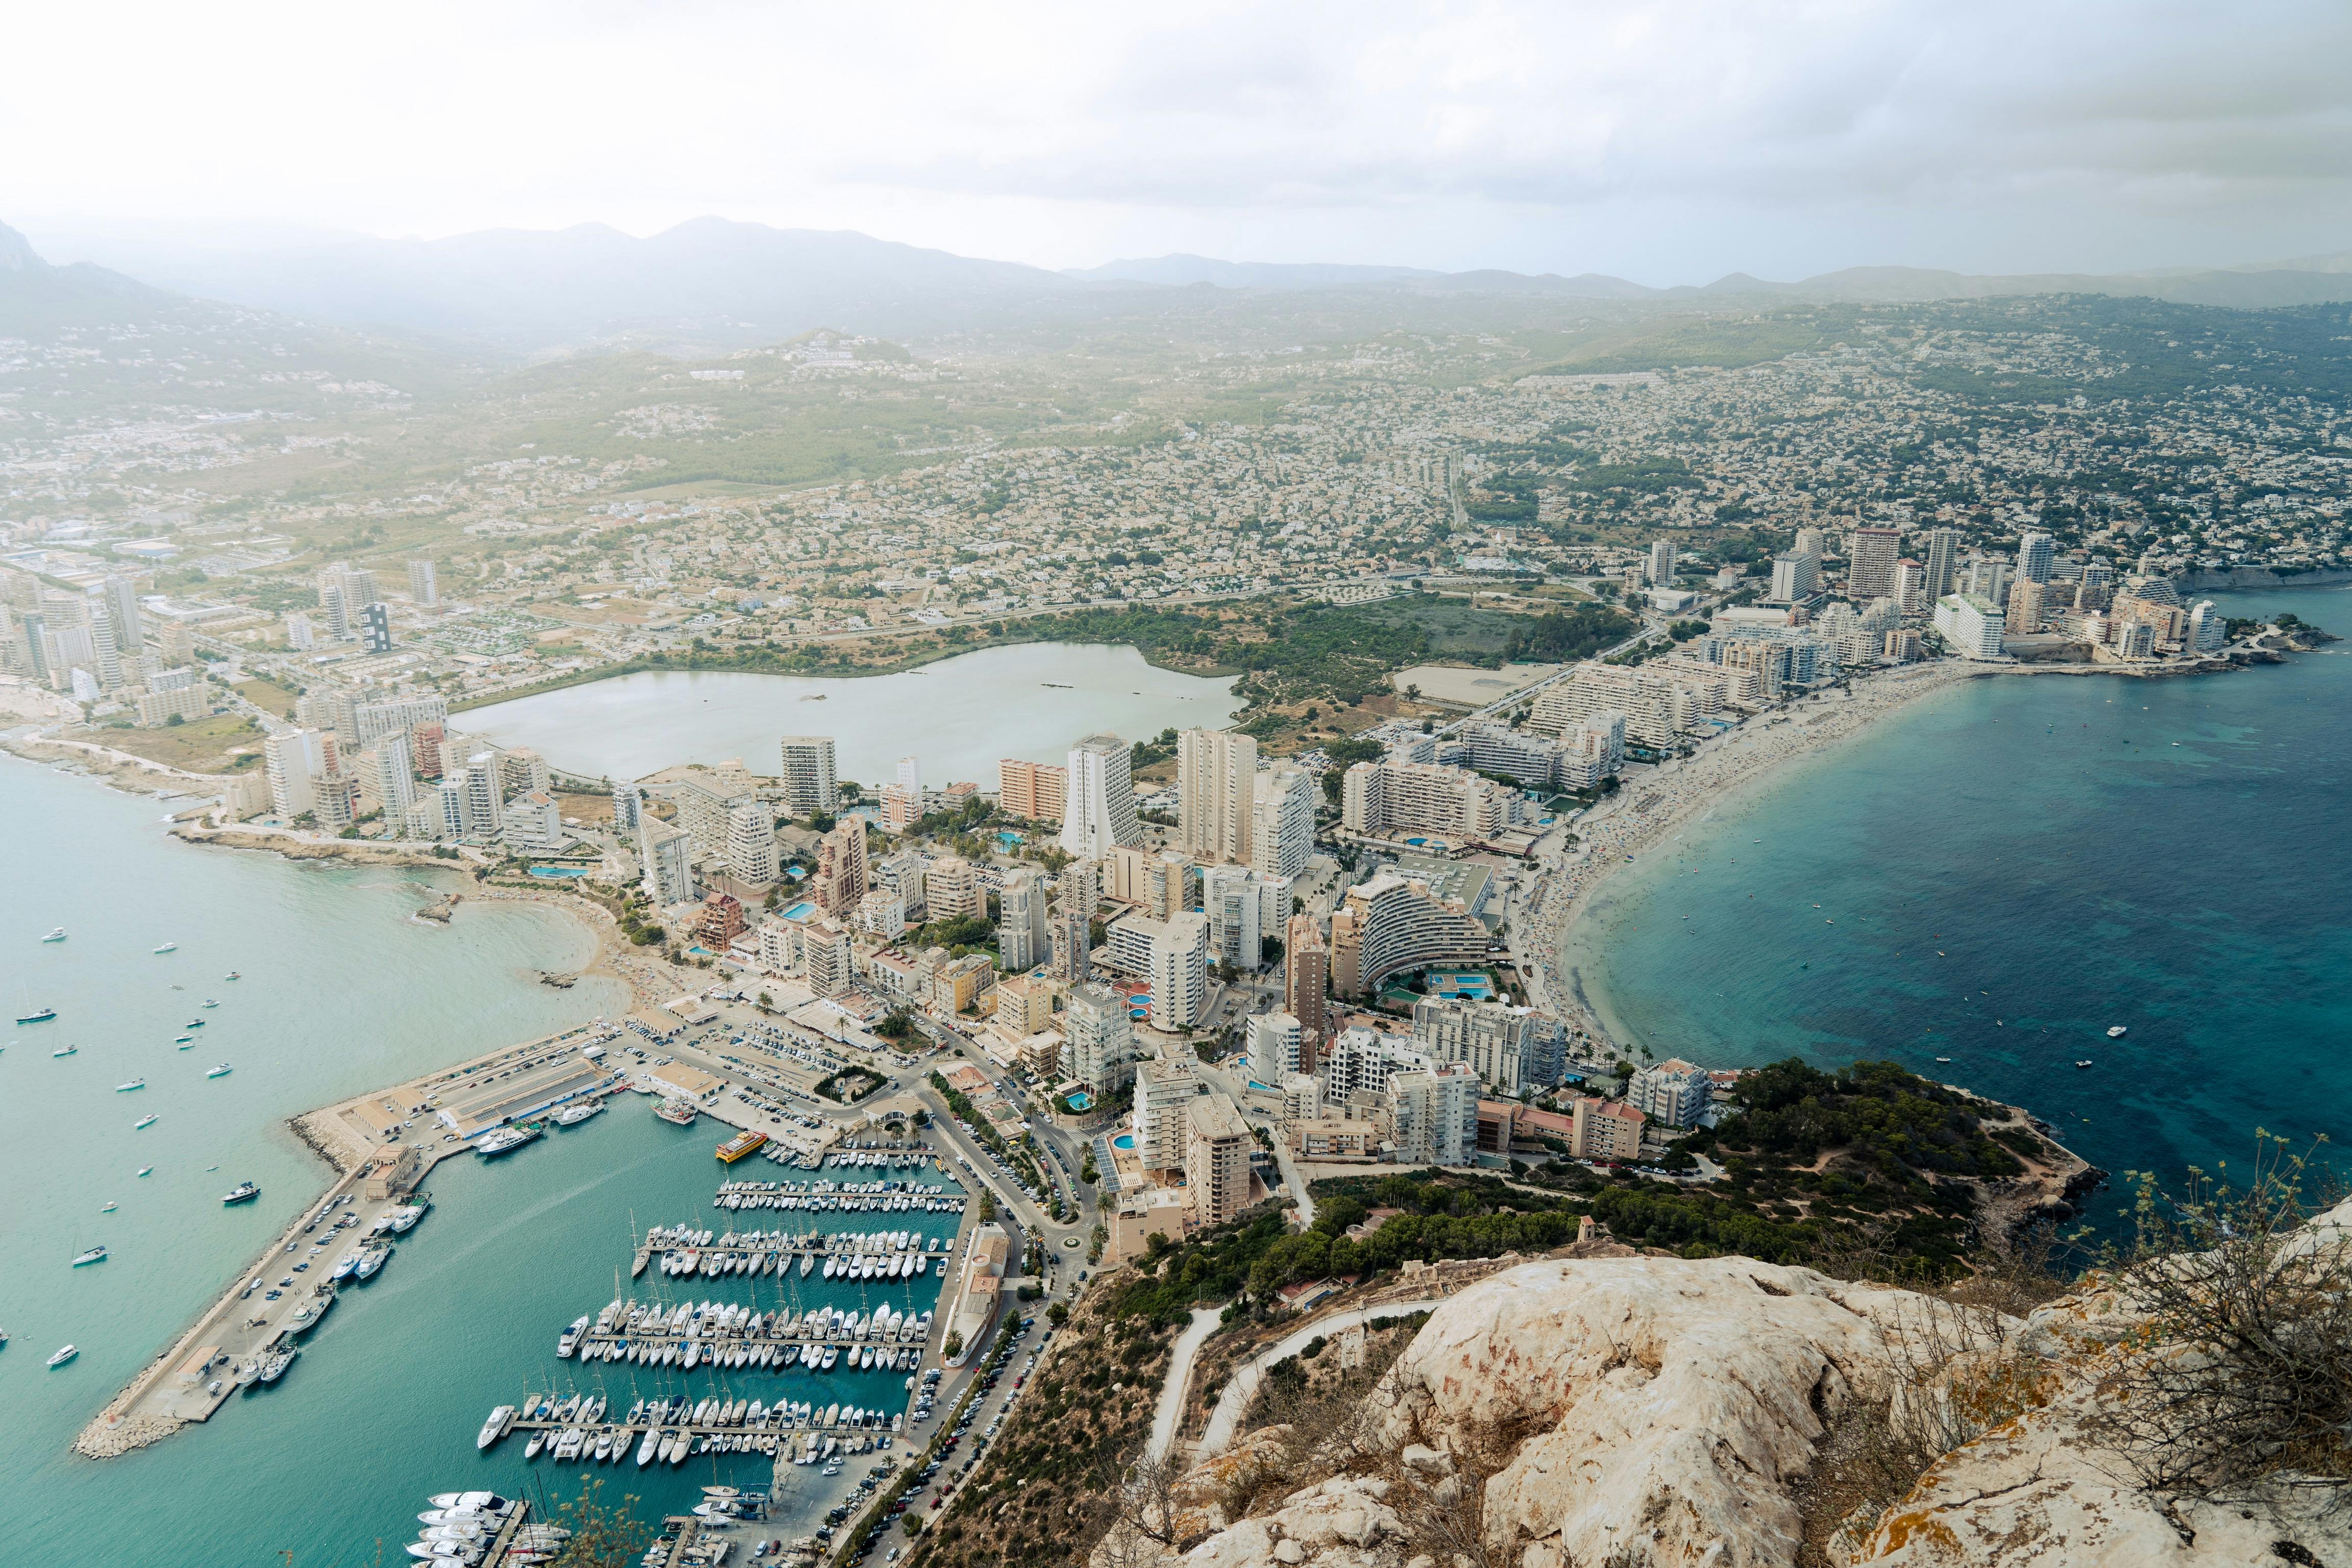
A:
(1665, 147)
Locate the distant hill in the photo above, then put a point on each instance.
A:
(708, 281)
(37, 298)
(1182, 271)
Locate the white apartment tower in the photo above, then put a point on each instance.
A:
(1022, 939)
(1282, 832)
(1180, 972)
(1274, 1048)
(669, 862)
(1216, 793)
(1098, 1042)
(1662, 564)
(809, 785)
(1099, 814)
(750, 843)
(422, 585)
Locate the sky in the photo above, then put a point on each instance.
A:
(1670, 144)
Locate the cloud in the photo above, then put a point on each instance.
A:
(1444, 132)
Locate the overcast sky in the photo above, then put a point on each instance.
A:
(1668, 143)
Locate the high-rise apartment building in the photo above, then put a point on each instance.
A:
(1305, 974)
(1971, 626)
(122, 596)
(1661, 563)
(668, 858)
(422, 587)
(1871, 557)
(1795, 578)
(293, 760)
(1282, 829)
(841, 870)
(1098, 1040)
(628, 808)
(1099, 813)
(2208, 628)
(2036, 552)
(1234, 901)
(1379, 799)
(1164, 1088)
(1023, 939)
(375, 626)
(485, 798)
(1216, 1159)
(2024, 613)
(752, 844)
(523, 770)
(1943, 561)
(387, 776)
(809, 782)
(1496, 1041)
(1436, 1113)
(1033, 792)
(1180, 973)
(1274, 1042)
(1216, 794)
(1073, 921)
(952, 889)
(1394, 922)
(1672, 1091)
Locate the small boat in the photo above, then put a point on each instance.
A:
(2115, 1031)
(573, 1115)
(63, 1356)
(147, 1170)
(127, 1087)
(210, 1003)
(169, 947)
(2084, 1063)
(193, 1024)
(141, 1126)
(232, 974)
(65, 1051)
(95, 1255)
(1943, 1058)
(56, 935)
(109, 1208)
(241, 1192)
(184, 1041)
(220, 1071)
(43, 1016)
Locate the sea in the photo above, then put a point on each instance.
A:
(2000, 873)
(340, 989)
(959, 717)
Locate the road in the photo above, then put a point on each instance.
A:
(1170, 1412)
(1242, 1387)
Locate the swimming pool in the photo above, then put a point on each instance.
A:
(800, 911)
(1009, 840)
(559, 873)
(1082, 1101)
(1124, 1142)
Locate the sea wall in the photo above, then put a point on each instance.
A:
(2257, 577)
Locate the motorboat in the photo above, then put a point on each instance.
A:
(108, 1208)
(504, 1140)
(41, 1017)
(95, 1255)
(220, 1071)
(56, 935)
(573, 1115)
(210, 1003)
(147, 1170)
(2115, 1031)
(62, 1050)
(184, 1041)
(371, 1259)
(242, 1192)
(2084, 1063)
(63, 1356)
(193, 1024)
(169, 947)
(495, 1426)
(127, 1087)
(232, 974)
(141, 1126)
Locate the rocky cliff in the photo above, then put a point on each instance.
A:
(1627, 1411)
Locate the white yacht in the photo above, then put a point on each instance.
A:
(56, 935)
(63, 1356)
(495, 1426)
(169, 947)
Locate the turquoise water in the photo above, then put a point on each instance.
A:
(959, 716)
(2005, 870)
(341, 991)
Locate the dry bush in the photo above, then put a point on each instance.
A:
(1334, 1419)
(2239, 1388)
(1443, 1510)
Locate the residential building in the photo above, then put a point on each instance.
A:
(720, 921)
(902, 872)
(1970, 624)
(1604, 1130)
(751, 845)
(293, 759)
(1660, 566)
(1871, 557)
(828, 957)
(1306, 975)
(1098, 1041)
(1385, 799)
(1274, 1048)
(2023, 614)
(1334, 1139)
(1672, 1091)
(1071, 928)
(667, 856)
(386, 777)
(1281, 825)
(958, 984)
(1180, 973)
(882, 913)
(1216, 794)
(1164, 1088)
(1302, 1098)
(1235, 901)
(1165, 882)
(841, 873)
(156, 708)
(952, 889)
(1436, 1114)
(1217, 1145)
(1024, 939)
(1796, 579)
(1033, 792)
(122, 596)
(810, 788)
(628, 808)
(1099, 813)
(1943, 559)
(1495, 1039)
(484, 801)
(1362, 1060)
(1394, 922)
(375, 626)
(2036, 552)
(2208, 628)
(423, 587)
(521, 771)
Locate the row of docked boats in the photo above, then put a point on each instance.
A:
(886, 1339)
(506, 1140)
(896, 1259)
(462, 1529)
(828, 1197)
(361, 1262)
(574, 1428)
(268, 1365)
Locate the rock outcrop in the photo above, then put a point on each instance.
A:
(1629, 1411)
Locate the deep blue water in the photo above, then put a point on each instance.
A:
(2001, 871)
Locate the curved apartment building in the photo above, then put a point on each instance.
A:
(1394, 922)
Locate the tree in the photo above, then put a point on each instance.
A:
(953, 1347)
(987, 1205)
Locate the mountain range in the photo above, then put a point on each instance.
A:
(715, 283)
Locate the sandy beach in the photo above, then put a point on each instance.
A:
(1654, 805)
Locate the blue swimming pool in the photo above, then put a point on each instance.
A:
(1125, 1142)
(800, 911)
(1082, 1101)
(559, 873)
